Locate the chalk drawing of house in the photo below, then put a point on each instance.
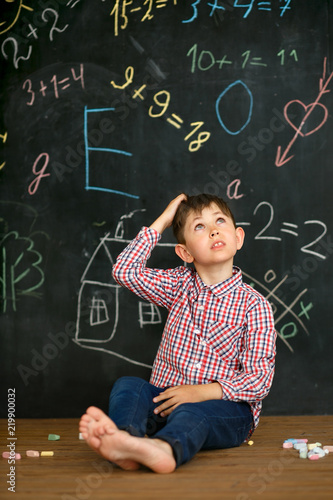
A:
(112, 319)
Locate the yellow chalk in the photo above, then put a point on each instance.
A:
(47, 454)
(250, 443)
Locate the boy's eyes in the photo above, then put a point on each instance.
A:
(199, 226)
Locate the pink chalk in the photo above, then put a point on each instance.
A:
(328, 448)
(6, 454)
(314, 457)
(288, 444)
(32, 453)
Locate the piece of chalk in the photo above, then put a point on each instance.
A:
(53, 437)
(314, 456)
(300, 446)
(303, 453)
(313, 445)
(319, 451)
(328, 448)
(32, 453)
(7, 454)
(47, 453)
(288, 444)
(80, 436)
(293, 440)
(250, 443)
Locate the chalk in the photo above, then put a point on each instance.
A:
(300, 446)
(8, 454)
(319, 451)
(288, 444)
(32, 453)
(314, 456)
(250, 443)
(47, 454)
(80, 436)
(328, 448)
(53, 437)
(294, 441)
(303, 453)
(313, 445)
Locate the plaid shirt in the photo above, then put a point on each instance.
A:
(223, 332)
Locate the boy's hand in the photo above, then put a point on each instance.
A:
(166, 218)
(175, 396)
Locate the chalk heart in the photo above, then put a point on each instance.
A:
(308, 110)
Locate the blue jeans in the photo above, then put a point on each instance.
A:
(191, 427)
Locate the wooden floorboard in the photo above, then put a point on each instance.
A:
(262, 471)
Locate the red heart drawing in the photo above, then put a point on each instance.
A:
(308, 110)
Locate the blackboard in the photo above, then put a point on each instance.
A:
(109, 109)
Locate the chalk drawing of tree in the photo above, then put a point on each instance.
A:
(20, 273)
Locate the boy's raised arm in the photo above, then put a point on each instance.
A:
(166, 218)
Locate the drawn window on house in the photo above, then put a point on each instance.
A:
(149, 314)
(98, 312)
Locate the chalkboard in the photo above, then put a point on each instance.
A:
(109, 109)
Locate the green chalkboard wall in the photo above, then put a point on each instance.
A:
(108, 110)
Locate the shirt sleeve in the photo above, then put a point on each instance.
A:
(253, 380)
(130, 270)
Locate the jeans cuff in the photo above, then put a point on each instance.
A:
(176, 448)
(131, 430)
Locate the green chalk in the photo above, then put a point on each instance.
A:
(53, 437)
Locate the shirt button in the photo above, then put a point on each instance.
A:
(196, 330)
(198, 365)
(203, 342)
(201, 308)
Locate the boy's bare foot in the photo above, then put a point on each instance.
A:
(93, 427)
(119, 447)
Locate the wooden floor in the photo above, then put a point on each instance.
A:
(261, 471)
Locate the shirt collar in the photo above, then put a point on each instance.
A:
(220, 288)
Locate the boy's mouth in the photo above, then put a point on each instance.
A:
(218, 244)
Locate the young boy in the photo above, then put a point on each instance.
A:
(215, 362)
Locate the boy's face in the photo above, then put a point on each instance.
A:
(210, 238)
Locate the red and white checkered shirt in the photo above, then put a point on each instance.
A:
(223, 332)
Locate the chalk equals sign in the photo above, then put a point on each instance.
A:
(176, 121)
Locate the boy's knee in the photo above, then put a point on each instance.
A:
(127, 381)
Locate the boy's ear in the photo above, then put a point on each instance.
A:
(183, 253)
(240, 235)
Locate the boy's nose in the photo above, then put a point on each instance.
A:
(214, 232)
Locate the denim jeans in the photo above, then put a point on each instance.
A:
(191, 427)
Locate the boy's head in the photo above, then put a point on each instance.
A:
(196, 204)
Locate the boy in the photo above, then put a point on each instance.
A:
(215, 362)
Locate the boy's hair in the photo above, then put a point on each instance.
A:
(196, 204)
